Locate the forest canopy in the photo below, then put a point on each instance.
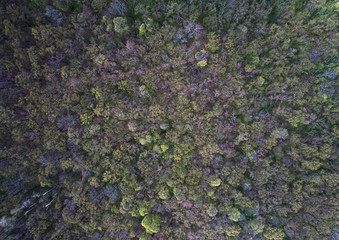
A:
(169, 120)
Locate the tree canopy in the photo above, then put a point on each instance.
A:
(140, 119)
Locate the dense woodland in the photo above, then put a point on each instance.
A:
(171, 120)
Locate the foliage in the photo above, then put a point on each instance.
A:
(168, 119)
(274, 233)
(213, 42)
(215, 182)
(212, 211)
(234, 214)
(151, 223)
(233, 231)
(120, 25)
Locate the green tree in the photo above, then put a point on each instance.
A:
(151, 223)
(120, 25)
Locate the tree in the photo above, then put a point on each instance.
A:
(120, 25)
(151, 223)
